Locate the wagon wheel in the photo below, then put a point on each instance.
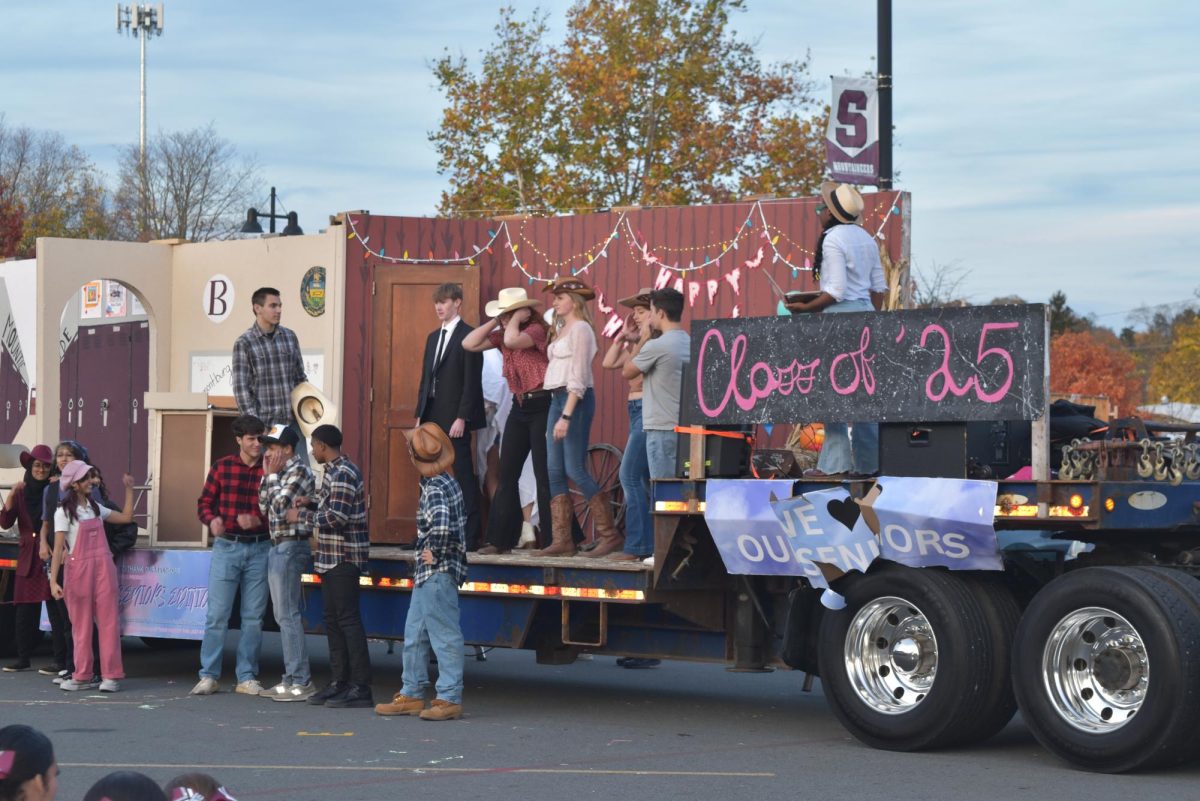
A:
(604, 465)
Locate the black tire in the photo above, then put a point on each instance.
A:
(1091, 716)
(959, 688)
(1003, 615)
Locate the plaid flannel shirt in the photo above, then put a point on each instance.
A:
(277, 492)
(440, 528)
(231, 489)
(266, 367)
(340, 518)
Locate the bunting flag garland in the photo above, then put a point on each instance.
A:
(601, 305)
(713, 286)
(735, 312)
(733, 277)
(679, 285)
(613, 327)
(693, 293)
(664, 278)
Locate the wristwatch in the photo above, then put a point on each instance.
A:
(565, 416)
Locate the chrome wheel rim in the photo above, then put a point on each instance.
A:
(1096, 670)
(891, 655)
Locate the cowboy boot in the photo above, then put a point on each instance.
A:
(562, 512)
(608, 539)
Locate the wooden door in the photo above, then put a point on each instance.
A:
(402, 317)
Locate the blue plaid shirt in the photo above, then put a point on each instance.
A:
(266, 367)
(340, 519)
(440, 528)
(278, 490)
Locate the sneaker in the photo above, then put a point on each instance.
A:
(18, 667)
(320, 697)
(355, 697)
(110, 686)
(648, 561)
(401, 704)
(279, 691)
(638, 663)
(249, 687)
(442, 710)
(205, 686)
(62, 676)
(51, 670)
(528, 538)
(71, 685)
(299, 692)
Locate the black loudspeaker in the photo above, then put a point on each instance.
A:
(724, 457)
(984, 450)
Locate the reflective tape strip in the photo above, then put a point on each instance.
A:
(500, 588)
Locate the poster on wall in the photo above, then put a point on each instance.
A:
(212, 371)
(91, 300)
(115, 299)
(312, 291)
(135, 306)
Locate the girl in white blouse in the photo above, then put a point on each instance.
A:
(569, 423)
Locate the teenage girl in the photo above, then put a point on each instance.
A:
(24, 507)
(90, 575)
(60, 621)
(28, 771)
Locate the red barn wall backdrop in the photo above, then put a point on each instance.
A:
(617, 252)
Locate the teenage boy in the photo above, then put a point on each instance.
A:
(286, 477)
(240, 546)
(660, 361)
(441, 568)
(267, 364)
(451, 394)
(338, 513)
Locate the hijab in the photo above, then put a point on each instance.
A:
(34, 491)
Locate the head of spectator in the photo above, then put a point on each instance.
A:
(125, 785)
(77, 476)
(326, 443)
(196, 787)
(28, 771)
(447, 301)
(509, 301)
(570, 300)
(430, 449)
(268, 308)
(247, 430)
(66, 451)
(281, 439)
(38, 464)
(640, 304)
(666, 308)
(842, 202)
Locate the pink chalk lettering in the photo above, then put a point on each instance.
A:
(948, 386)
(764, 379)
(862, 368)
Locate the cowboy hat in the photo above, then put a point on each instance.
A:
(311, 408)
(573, 285)
(642, 298)
(509, 299)
(843, 201)
(41, 453)
(75, 470)
(430, 449)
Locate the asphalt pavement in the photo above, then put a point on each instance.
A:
(587, 730)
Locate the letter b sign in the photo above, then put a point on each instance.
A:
(218, 298)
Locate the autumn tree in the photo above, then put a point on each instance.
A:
(12, 218)
(1176, 375)
(644, 102)
(59, 190)
(939, 285)
(1063, 318)
(193, 185)
(1093, 362)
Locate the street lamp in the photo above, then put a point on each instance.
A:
(252, 226)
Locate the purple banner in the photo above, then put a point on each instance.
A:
(852, 138)
(164, 593)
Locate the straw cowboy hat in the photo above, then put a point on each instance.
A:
(642, 298)
(842, 200)
(41, 453)
(572, 285)
(509, 299)
(312, 408)
(432, 452)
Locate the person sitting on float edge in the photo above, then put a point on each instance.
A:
(340, 523)
(240, 547)
(850, 275)
(28, 770)
(286, 477)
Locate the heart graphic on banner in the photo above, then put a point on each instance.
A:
(845, 512)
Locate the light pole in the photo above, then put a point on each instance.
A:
(883, 51)
(142, 22)
(252, 226)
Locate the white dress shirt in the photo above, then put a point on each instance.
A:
(850, 266)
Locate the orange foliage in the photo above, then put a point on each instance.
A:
(1094, 363)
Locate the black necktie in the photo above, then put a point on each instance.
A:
(437, 359)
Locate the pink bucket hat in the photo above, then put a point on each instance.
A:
(74, 471)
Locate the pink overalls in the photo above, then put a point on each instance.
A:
(90, 589)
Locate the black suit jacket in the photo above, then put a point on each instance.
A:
(458, 382)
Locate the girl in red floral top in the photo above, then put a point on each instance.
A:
(516, 328)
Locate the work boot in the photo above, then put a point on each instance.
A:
(443, 710)
(562, 512)
(608, 539)
(401, 704)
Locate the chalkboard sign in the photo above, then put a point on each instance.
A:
(926, 365)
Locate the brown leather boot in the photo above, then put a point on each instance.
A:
(608, 539)
(562, 512)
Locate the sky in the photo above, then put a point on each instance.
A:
(1047, 145)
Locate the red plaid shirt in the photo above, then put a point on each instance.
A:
(231, 489)
(524, 369)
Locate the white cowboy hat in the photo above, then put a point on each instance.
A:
(312, 408)
(843, 201)
(509, 299)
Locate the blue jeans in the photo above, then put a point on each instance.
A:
(433, 621)
(839, 454)
(635, 482)
(567, 458)
(660, 452)
(235, 566)
(286, 561)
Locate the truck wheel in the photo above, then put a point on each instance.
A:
(909, 663)
(1104, 668)
(1003, 614)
